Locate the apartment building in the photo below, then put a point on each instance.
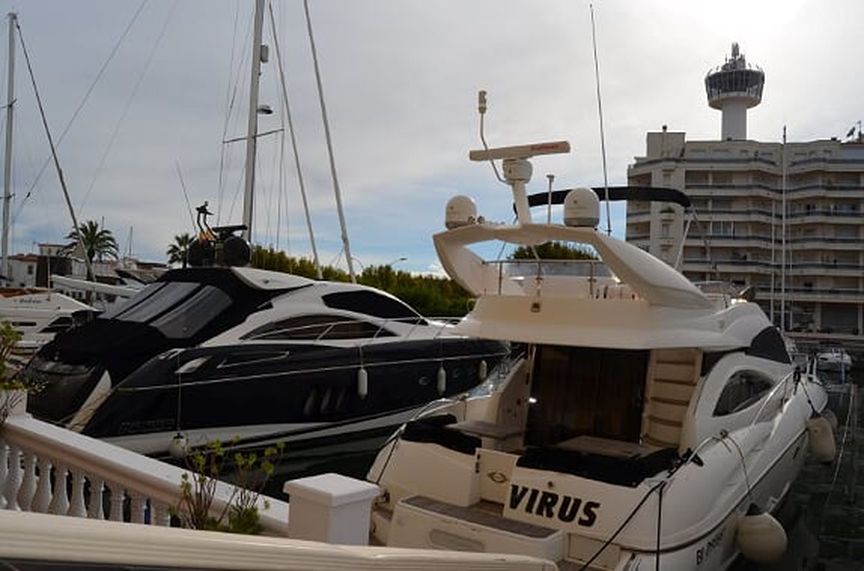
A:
(807, 268)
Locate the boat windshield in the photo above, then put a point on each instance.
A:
(177, 309)
(580, 268)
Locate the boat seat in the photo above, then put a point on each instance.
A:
(435, 430)
(620, 471)
(606, 447)
(493, 436)
(486, 429)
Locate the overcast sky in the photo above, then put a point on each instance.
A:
(400, 81)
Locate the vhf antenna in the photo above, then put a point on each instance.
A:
(481, 108)
(602, 135)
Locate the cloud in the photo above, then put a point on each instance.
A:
(400, 81)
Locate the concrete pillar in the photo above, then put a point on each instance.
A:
(330, 508)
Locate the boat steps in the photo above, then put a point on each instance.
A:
(421, 521)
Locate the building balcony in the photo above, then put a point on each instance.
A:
(796, 269)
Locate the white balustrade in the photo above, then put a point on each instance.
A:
(28, 483)
(47, 469)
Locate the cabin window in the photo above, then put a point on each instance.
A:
(742, 390)
(313, 327)
(252, 358)
(192, 315)
(60, 324)
(374, 304)
(145, 294)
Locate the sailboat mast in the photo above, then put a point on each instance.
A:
(7, 174)
(252, 128)
(783, 238)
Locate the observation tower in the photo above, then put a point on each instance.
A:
(733, 88)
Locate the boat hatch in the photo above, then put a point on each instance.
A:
(579, 391)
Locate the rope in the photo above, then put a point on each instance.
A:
(128, 105)
(230, 96)
(78, 109)
(839, 462)
(621, 527)
(290, 121)
(75, 227)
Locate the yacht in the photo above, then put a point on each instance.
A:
(648, 424)
(834, 359)
(225, 352)
(38, 314)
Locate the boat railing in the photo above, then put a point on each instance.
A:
(332, 330)
(48, 469)
(591, 270)
(807, 374)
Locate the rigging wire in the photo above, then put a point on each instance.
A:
(81, 104)
(76, 228)
(850, 414)
(229, 105)
(239, 89)
(289, 118)
(344, 230)
(602, 133)
(186, 196)
(128, 104)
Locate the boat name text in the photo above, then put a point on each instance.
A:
(544, 503)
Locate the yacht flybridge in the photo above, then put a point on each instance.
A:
(647, 424)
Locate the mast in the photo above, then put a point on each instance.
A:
(7, 174)
(252, 127)
(783, 239)
(345, 244)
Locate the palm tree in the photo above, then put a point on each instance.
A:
(178, 252)
(96, 242)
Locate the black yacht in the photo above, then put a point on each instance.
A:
(228, 353)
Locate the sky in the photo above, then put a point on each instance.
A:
(400, 82)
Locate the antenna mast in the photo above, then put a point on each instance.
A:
(7, 173)
(252, 127)
(602, 134)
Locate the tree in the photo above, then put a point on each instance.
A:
(96, 242)
(178, 251)
(553, 251)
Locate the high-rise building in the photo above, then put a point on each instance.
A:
(807, 267)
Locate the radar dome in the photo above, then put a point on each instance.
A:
(581, 208)
(460, 211)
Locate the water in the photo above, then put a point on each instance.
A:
(823, 514)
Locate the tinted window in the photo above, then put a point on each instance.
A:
(769, 344)
(145, 293)
(252, 358)
(743, 389)
(193, 314)
(169, 295)
(311, 327)
(371, 303)
(60, 324)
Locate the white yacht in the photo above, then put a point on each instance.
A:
(833, 359)
(39, 314)
(648, 424)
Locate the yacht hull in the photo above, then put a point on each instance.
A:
(259, 393)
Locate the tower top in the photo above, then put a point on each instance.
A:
(734, 87)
